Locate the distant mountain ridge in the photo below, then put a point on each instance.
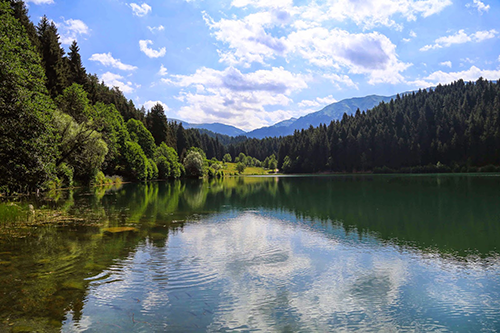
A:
(334, 111)
(214, 127)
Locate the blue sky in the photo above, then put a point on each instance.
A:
(252, 63)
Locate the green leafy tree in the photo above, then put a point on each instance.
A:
(137, 162)
(287, 164)
(74, 102)
(142, 136)
(240, 167)
(168, 162)
(81, 146)
(227, 158)
(115, 134)
(27, 134)
(193, 163)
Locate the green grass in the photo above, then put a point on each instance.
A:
(230, 169)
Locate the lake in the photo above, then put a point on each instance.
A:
(273, 254)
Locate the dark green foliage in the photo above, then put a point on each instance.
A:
(156, 122)
(74, 102)
(142, 136)
(27, 136)
(77, 73)
(21, 14)
(56, 69)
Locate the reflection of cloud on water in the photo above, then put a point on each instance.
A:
(273, 269)
(255, 270)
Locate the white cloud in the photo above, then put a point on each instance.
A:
(237, 98)
(413, 34)
(472, 74)
(163, 71)
(70, 29)
(318, 101)
(479, 5)
(446, 63)
(107, 59)
(371, 13)
(262, 3)
(149, 104)
(249, 40)
(115, 80)
(460, 38)
(372, 54)
(140, 10)
(155, 29)
(143, 44)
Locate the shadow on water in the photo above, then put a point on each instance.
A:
(45, 267)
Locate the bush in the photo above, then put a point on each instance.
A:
(240, 167)
(193, 163)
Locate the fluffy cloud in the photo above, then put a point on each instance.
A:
(371, 13)
(115, 80)
(249, 40)
(163, 71)
(459, 38)
(143, 44)
(107, 59)
(480, 6)
(155, 29)
(149, 104)
(372, 54)
(446, 63)
(70, 29)
(472, 74)
(233, 97)
(140, 10)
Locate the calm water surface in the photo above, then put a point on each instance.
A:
(285, 254)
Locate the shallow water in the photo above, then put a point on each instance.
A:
(308, 254)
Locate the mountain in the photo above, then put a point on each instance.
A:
(215, 127)
(330, 112)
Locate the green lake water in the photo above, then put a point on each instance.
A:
(272, 254)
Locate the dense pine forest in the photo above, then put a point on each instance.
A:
(60, 125)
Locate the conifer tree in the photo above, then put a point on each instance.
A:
(52, 57)
(76, 70)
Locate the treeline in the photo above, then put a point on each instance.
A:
(454, 127)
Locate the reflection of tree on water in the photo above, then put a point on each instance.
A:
(44, 276)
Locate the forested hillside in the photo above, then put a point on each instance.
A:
(454, 127)
(58, 123)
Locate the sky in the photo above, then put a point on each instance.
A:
(253, 63)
